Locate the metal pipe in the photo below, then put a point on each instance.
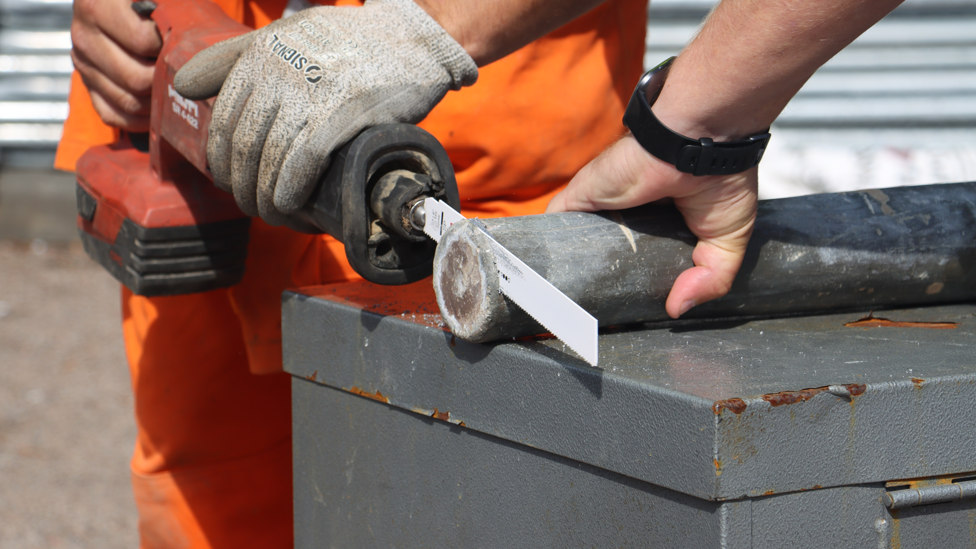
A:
(871, 249)
(942, 493)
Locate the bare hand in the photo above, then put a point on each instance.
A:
(719, 210)
(732, 81)
(113, 51)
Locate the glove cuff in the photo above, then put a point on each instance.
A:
(442, 46)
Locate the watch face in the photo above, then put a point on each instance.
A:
(653, 81)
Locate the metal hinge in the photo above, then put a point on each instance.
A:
(927, 495)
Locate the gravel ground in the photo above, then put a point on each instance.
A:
(37, 204)
(66, 426)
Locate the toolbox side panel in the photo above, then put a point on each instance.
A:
(940, 525)
(893, 430)
(368, 474)
(845, 516)
(854, 516)
(524, 392)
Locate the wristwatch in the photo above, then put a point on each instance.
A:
(695, 156)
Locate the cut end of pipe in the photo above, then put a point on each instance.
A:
(466, 283)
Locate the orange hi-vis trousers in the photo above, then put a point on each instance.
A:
(212, 462)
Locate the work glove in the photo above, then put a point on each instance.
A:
(305, 85)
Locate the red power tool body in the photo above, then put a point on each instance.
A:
(155, 220)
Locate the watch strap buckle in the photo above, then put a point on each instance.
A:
(709, 158)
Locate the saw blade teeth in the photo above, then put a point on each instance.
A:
(591, 358)
(575, 349)
(427, 230)
(545, 303)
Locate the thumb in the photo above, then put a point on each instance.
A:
(203, 75)
(717, 261)
(722, 215)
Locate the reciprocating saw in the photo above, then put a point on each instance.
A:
(148, 210)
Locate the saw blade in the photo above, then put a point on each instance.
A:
(438, 217)
(551, 308)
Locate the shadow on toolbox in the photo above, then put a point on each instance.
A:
(149, 213)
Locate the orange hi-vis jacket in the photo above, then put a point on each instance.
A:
(212, 463)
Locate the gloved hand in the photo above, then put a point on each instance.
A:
(303, 86)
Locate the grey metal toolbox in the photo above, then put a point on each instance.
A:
(796, 432)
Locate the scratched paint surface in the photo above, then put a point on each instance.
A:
(412, 302)
(721, 360)
(737, 358)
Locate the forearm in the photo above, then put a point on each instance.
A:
(750, 59)
(491, 29)
(732, 81)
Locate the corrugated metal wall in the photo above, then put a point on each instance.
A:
(35, 72)
(915, 70)
(897, 107)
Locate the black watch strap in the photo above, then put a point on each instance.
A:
(695, 156)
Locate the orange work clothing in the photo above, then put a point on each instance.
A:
(212, 463)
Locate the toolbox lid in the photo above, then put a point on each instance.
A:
(715, 409)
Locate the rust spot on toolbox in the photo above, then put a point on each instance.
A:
(734, 405)
(439, 415)
(917, 382)
(373, 396)
(443, 416)
(792, 397)
(737, 405)
(871, 321)
(314, 376)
